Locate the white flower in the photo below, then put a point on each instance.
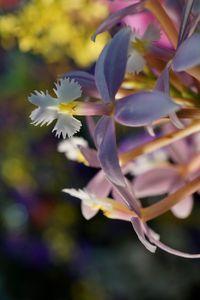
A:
(71, 147)
(138, 47)
(60, 108)
(90, 204)
(147, 162)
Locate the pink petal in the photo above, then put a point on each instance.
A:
(154, 182)
(87, 211)
(182, 209)
(99, 185)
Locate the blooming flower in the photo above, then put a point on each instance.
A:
(168, 178)
(91, 204)
(139, 46)
(61, 108)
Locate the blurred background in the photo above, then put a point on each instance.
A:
(48, 251)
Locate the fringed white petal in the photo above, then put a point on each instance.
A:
(66, 126)
(67, 90)
(43, 100)
(43, 116)
(135, 63)
(71, 147)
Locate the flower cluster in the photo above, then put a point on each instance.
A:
(138, 82)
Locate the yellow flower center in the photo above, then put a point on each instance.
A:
(69, 108)
(140, 45)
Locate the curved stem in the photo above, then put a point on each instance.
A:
(166, 23)
(164, 205)
(159, 143)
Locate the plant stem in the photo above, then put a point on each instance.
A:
(164, 205)
(159, 143)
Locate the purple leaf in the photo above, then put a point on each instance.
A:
(111, 65)
(108, 157)
(116, 17)
(107, 150)
(142, 108)
(187, 54)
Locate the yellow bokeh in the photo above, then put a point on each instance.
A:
(56, 29)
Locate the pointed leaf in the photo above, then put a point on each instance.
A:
(187, 54)
(116, 17)
(143, 108)
(111, 65)
(107, 150)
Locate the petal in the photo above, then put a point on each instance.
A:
(187, 54)
(86, 202)
(66, 125)
(139, 229)
(43, 116)
(135, 63)
(88, 212)
(43, 100)
(91, 157)
(71, 147)
(107, 150)
(108, 157)
(143, 108)
(153, 239)
(154, 182)
(72, 143)
(180, 151)
(99, 185)
(67, 90)
(116, 17)
(183, 209)
(111, 65)
(86, 81)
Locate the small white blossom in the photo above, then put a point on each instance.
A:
(71, 147)
(50, 108)
(147, 162)
(138, 46)
(90, 203)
